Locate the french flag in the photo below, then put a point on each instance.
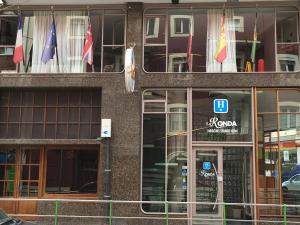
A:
(87, 54)
(18, 53)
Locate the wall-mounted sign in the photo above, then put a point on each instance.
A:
(220, 126)
(184, 171)
(220, 106)
(206, 165)
(106, 128)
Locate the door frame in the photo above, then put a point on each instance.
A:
(192, 188)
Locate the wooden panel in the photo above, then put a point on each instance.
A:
(26, 207)
(8, 206)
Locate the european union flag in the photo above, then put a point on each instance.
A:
(50, 45)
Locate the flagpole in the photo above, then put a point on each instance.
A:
(57, 60)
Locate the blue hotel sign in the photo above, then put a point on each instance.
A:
(220, 106)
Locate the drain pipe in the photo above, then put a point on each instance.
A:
(106, 134)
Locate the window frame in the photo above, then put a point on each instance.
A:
(102, 12)
(173, 32)
(41, 193)
(168, 27)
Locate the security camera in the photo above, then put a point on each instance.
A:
(175, 1)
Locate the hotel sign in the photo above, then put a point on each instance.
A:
(215, 125)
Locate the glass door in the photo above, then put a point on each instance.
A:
(207, 182)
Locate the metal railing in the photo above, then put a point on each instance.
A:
(60, 210)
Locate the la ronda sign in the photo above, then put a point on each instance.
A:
(220, 126)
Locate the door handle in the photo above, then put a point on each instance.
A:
(217, 197)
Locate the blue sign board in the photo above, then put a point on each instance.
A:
(206, 165)
(220, 106)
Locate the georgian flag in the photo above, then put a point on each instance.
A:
(18, 52)
(87, 54)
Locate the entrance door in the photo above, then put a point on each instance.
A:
(207, 185)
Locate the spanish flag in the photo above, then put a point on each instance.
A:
(221, 52)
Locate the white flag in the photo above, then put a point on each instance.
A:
(129, 70)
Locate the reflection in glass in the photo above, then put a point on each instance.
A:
(287, 57)
(286, 26)
(268, 163)
(154, 107)
(113, 60)
(206, 181)
(237, 181)
(155, 95)
(71, 171)
(289, 101)
(155, 29)
(155, 59)
(113, 29)
(290, 159)
(266, 101)
(153, 187)
(232, 126)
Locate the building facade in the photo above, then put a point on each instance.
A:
(194, 129)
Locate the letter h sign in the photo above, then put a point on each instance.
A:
(220, 106)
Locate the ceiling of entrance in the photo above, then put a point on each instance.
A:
(80, 2)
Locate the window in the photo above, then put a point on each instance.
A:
(8, 31)
(287, 39)
(71, 171)
(209, 125)
(152, 27)
(7, 171)
(278, 150)
(180, 25)
(164, 149)
(68, 170)
(178, 62)
(251, 37)
(29, 172)
(50, 114)
(108, 49)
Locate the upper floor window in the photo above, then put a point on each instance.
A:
(256, 40)
(108, 35)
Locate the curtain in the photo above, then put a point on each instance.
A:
(70, 32)
(213, 33)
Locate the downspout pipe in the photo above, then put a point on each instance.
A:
(107, 176)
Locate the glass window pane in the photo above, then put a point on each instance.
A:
(289, 101)
(64, 179)
(155, 95)
(266, 101)
(114, 29)
(290, 159)
(155, 29)
(176, 166)
(113, 59)
(177, 101)
(287, 57)
(286, 26)
(154, 107)
(155, 59)
(235, 125)
(153, 187)
(268, 163)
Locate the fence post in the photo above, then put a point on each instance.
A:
(110, 212)
(167, 212)
(56, 213)
(224, 214)
(284, 214)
